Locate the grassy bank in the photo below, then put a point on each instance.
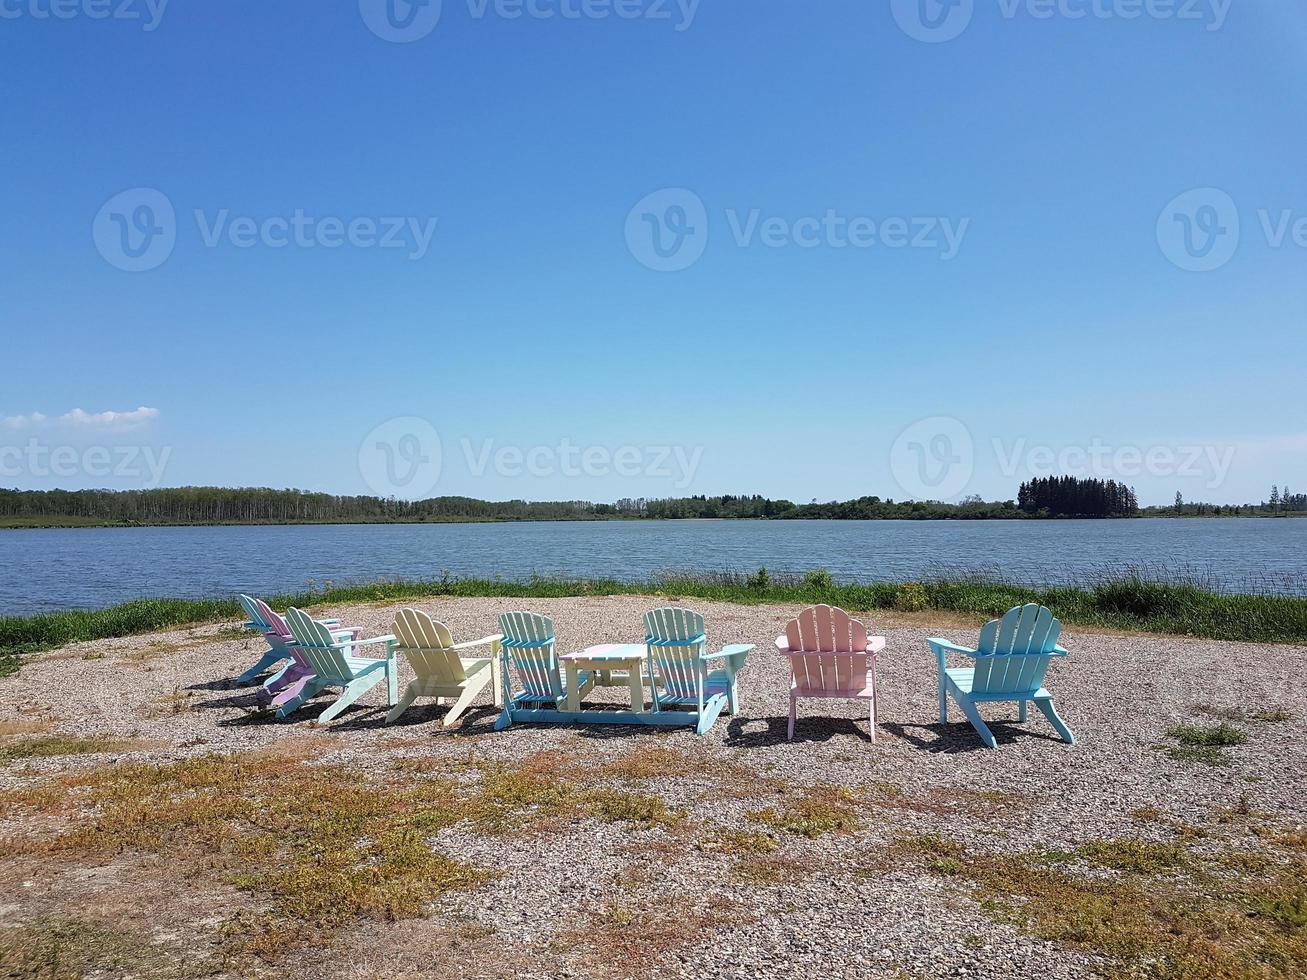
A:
(1122, 602)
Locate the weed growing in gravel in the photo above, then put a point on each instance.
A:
(634, 808)
(1217, 921)
(1132, 855)
(761, 871)
(64, 949)
(46, 746)
(322, 846)
(1204, 743)
(1242, 714)
(821, 810)
(727, 841)
(651, 762)
(633, 939)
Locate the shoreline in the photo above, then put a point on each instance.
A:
(1129, 602)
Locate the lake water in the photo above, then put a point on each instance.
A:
(42, 570)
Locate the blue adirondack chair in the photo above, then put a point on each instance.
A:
(261, 623)
(334, 665)
(1009, 664)
(678, 666)
(529, 647)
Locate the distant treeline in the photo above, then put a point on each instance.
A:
(1039, 498)
(1069, 496)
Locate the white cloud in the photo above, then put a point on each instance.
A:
(83, 420)
(105, 420)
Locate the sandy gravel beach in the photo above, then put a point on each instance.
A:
(662, 854)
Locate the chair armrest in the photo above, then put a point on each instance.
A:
(496, 638)
(783, 644)
(945, 646)
(734, 655)
(1060, 651)
(875, 644)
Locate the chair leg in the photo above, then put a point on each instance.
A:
(290, 700)
(1021, 711)
(711, 710)
(410, 695)
(943, 702)
(267, 660)
(465, 699)
(794, 710)
(873, 716)
(969, 709)
(354, 690)
(1046, 706)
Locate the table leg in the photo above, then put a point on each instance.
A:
(637, 686)
(573, 689)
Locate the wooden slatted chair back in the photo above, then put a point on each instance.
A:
(251, 607)
(275, 624)
(828, 651)
(529, 640)
(315, 642)
(427, 644)
(1014, 652)
(676, 640)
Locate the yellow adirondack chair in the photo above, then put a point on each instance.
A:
(441, 671)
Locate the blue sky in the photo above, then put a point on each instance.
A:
(905, 266)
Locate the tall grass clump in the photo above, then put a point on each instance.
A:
(1127, 600)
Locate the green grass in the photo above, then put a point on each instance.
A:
(1204, 743)
(1127, 601)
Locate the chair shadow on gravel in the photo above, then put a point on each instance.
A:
(427, 715)
(229, 684)
(959, 736)
(743, 732)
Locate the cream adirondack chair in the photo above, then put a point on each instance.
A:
(441, 671)
(831, 656)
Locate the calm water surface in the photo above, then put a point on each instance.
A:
(42, 570)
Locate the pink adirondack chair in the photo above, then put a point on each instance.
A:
(831, 656)
(287, 685)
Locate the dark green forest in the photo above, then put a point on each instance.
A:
(1050, 497)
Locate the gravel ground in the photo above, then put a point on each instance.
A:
(845, 905)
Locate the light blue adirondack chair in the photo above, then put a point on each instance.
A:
(528, 647)
(334, 665)
(260, 622)
(678, 666)
(1009, 665)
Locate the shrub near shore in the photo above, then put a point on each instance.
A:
(1127, 601)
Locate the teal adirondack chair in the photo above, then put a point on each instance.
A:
(1009, 665)
(334, 665)
(678, 666)
(528, 646)
(260, 622)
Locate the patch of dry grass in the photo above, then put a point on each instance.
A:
(635, 938)
(820, 810)
(48, 746)
(72, 949)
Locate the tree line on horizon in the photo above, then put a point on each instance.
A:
(1038, 498)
